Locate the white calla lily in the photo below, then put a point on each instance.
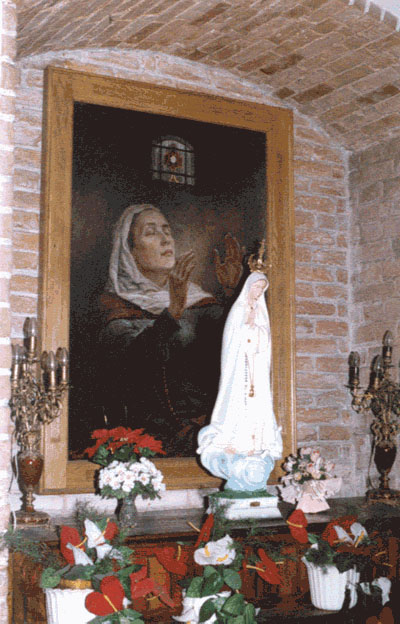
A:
(220, 552)
(384, 585)
(80, 557)
(356, 529)
(95, 539)
(191, 608)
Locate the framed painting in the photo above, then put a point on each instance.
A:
(218, 174)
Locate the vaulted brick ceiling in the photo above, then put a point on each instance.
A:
(330, 60)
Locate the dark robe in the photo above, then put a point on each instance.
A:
(160, 373)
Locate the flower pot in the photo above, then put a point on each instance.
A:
(191, 608)
(328, 586)
(64, 606)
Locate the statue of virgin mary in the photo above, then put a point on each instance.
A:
(243, 440)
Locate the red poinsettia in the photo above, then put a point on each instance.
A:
(329, 534)
(108, 600)
(267, 568)
(114, 439)
(205, 531)
(148, 442)
(175, 564)
(70, 535)
(297, 523)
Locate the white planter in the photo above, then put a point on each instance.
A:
(191, 609)
(328, 588)
(66, 606)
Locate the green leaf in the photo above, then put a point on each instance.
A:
(208, 571)
(84, 572)
(232, 578)
(233, 605)
(212, 585)
(194, 589)
(50, 578)
(250, 614)
(96, 580)
(207, 610)
(344, 561)
(312, 538)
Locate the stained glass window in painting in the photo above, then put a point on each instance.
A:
(173, 160)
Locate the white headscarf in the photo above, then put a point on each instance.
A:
(241, 422)
(125, 279)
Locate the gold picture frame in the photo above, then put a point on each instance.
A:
(62, 89)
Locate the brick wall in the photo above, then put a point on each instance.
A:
(321, 230)
(375, 260)
(7, 98)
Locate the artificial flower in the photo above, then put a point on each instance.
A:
(383, 583)
(142, 588)
(68, 536)
(220, 552)
(267, 568)
(330, 534)
(96, 539)
(356, 529)
(297, 523)
(109, 599)
(176, 565)
(80, 557)
(119, 479)
(205, 531)
(191, 608)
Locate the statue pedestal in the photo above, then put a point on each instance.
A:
(245, 505)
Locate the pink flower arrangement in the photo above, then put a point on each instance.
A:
(305, 466)
(309, 480)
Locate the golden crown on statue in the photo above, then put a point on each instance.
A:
(258, 262)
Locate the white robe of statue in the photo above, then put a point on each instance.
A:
(243, 421)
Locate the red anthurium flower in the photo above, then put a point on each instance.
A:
(108, 600)
(111, 531)
(163, 595)
(297, 523)
(205, 531)
(329, 534)
(267, 569)
(139, 575)
(166, 556)
(69, 535)
(141, 588)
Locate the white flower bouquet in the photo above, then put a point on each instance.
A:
(123, 479)
(309, 480)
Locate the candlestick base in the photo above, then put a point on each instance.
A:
(383, 495)
(29, 519)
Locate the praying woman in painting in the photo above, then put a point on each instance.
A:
(161, 332)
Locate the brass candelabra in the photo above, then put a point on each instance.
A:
(382, 398)
(37, 388)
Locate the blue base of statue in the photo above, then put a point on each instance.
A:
(243, 473)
